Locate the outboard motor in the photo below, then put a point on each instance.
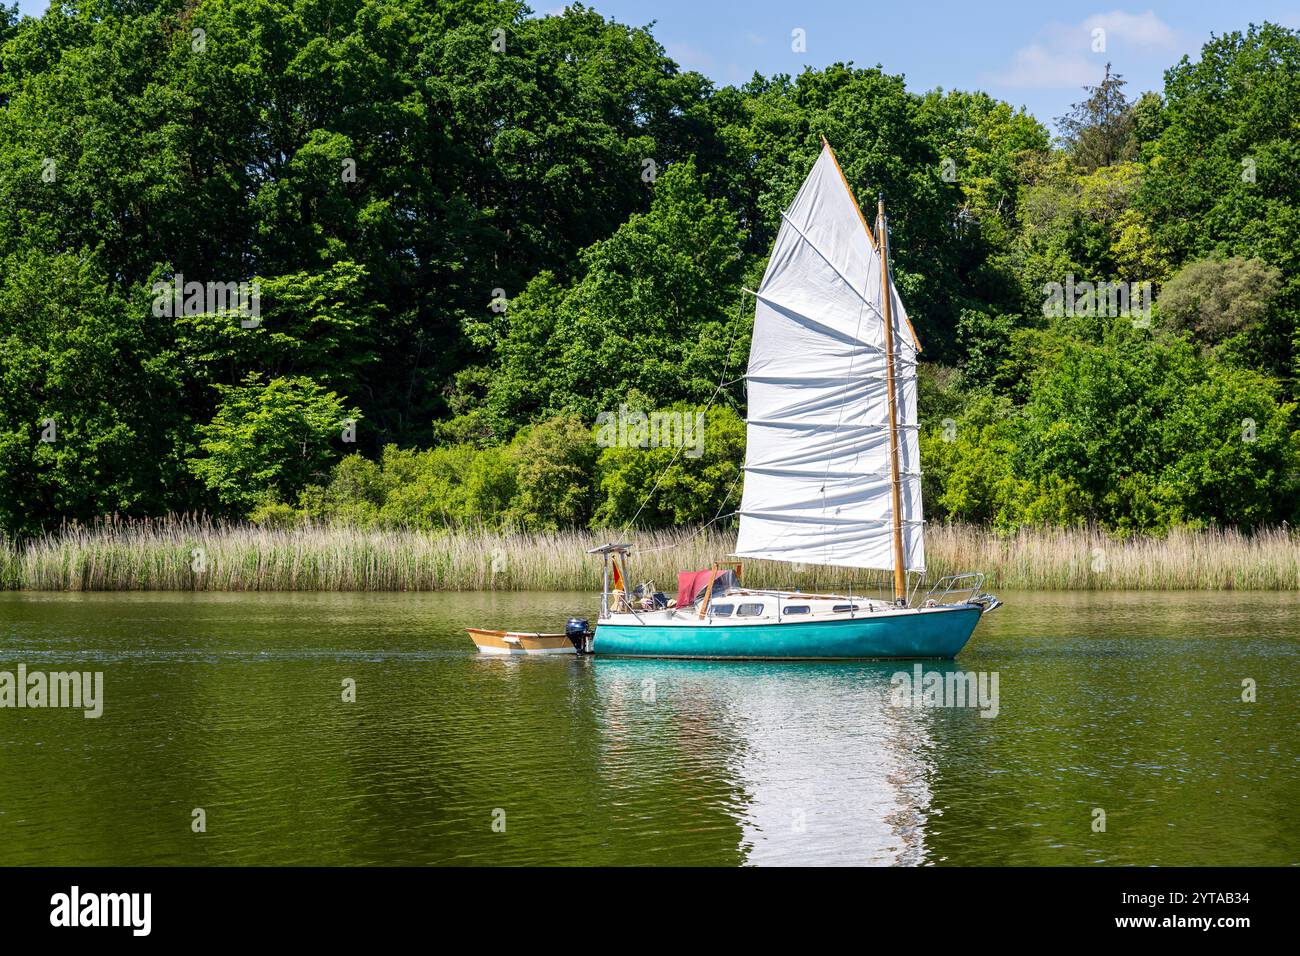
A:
(579, 634)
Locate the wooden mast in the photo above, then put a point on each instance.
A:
(882, 245)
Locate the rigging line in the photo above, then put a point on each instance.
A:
(700, 530)
(697, 532)
(740, 308)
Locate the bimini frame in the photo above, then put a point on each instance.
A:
(606, 550)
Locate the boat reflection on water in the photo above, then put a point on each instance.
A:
(822, 767)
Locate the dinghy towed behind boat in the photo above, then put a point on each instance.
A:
(832, 468)
(520, 642)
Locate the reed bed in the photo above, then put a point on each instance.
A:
(196, 554)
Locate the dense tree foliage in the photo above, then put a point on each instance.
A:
(473, 234)
(268, 439)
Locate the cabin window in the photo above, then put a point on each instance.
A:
(841, 608)
(722, 610)
(749, 610)
(796, 609)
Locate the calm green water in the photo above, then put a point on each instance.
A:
(1126, 702)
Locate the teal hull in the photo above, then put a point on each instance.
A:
(938, 633)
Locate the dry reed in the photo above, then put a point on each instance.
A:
(196, 554)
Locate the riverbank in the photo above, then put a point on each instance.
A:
(182, 554)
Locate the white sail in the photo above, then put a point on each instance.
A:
(818, 482)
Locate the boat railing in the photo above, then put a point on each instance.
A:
(955, 589)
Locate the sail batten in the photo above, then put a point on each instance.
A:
(818, 477)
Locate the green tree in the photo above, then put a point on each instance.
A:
(1231, 444)
(1099, 131)
(984, 341)
(985, 147)
(555, 465)
(687, 482)
(1223, 176)
(448, 486)
(968, 468)
(89, 408)
(392, 173)
(1215, 298)
(654, 310)
(268, 439)
(1094, 420)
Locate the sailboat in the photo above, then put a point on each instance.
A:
(832, 468)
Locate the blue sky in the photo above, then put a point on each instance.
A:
(1032, 54)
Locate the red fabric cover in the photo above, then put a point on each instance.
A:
(691, 583)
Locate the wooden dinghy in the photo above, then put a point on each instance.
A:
(520, 642)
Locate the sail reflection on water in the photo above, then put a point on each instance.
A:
(818, 765)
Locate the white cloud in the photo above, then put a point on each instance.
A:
(1040, 67)
(691, 57)
(1064, 56)
(1142, 31)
